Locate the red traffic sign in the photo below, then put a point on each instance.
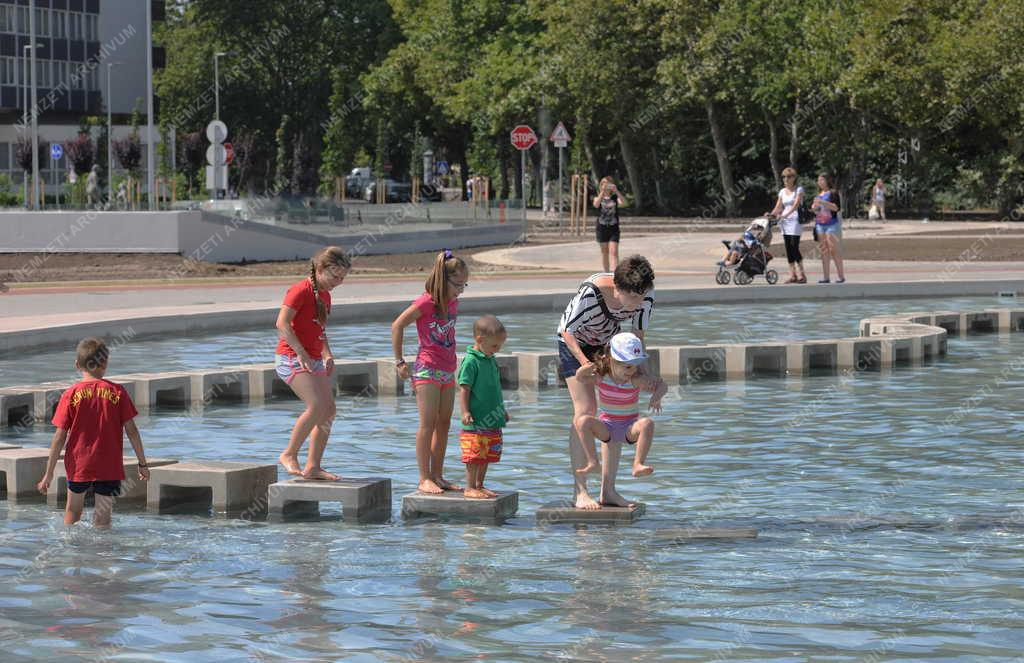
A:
(229, 156)
(523, 137)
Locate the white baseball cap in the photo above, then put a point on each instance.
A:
(627, 348)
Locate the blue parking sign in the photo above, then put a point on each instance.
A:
(56, 151)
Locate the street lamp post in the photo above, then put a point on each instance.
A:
(151, 146)
(32, 111)
(110, 139)
(25, 67)
(216, 81)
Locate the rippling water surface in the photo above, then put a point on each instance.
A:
(890, 510)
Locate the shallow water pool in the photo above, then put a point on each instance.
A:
(890, 509)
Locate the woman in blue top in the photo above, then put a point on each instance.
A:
(829, 227)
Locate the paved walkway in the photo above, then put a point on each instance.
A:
(684, 260)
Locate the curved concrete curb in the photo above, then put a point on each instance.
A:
(183, 321)
(885, 342)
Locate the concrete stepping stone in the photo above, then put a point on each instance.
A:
(362, 499)
(4, 445)
(554, 513)
(17, 407)
(226, 487)
(454, 503)
(131, 487)
(20, 471)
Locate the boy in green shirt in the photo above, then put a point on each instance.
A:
(483, 409)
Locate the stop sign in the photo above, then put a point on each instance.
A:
(229, 156)
(523, 137)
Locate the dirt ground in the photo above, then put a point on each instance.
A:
(1009, 246)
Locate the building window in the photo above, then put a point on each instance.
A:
(75, 21)
(43, 73)
(23, 20)
(43, 22)
(92, 30)
(60, 24)
(7, 71)
(7, 18)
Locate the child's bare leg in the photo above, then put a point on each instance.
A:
(428, 398)
(439, 441)
(587, 427)
(102, 510)
(318, 440)
(73, 510)
(643, 429)
(610, 454)
(473, 481)
(305, 387)
(483, 474)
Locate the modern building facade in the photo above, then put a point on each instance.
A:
(76, 40)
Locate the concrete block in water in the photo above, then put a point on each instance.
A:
(20, 471)
(860, 354)
(454, 503)
(131, 487)
(219, 385)
(554, 513)
(362, 499)
(903, 351)
(17, 407)
(806, 356)
(172, 389)
(948, 320)
(508, 369)
(356, 376)
(742, 360)
(536, 369)
(388, 382)
(979, 322)
(225, 486)
(695, 363)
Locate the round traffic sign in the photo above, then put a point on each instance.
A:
(56, 151)
(216, 131)
(523, 137)
(216, 155)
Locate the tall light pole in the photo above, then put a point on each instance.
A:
(216, 81)
(35, 124)
(150, 148)
(24, 96)
(110, 138)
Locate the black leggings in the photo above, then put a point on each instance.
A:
(793, 248)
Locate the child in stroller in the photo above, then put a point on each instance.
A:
(748, 255)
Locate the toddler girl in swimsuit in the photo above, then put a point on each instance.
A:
(433, 372)
(618, 417)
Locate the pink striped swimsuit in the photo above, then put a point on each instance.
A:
(617, 403)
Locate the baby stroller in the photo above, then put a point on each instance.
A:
(754, 255)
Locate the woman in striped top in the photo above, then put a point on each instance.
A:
(618, 417)
(595, 314)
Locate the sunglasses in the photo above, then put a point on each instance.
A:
(460, 286)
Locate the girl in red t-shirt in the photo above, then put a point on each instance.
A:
(433, 373)
(304, 359)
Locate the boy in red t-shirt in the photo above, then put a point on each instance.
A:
(92, 417)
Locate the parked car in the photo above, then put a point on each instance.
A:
(356, 181)
(394, 191)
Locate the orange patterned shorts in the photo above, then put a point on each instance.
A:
(481, 446)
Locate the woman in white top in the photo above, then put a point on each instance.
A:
(787, 208)
(878, 197)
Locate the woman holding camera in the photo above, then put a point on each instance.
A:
(607, 203)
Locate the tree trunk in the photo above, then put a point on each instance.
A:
(773, 148)
(659, 198)
(722, 154)
(505, 161)
(629, 158)
(588, 149)
(793, 134)
(464, 169)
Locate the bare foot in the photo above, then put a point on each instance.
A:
(475, 493)
(642, 470)
(428, 486)
(291, 463)
(612, 498)
(488, 492)
(319, 474)
(585, 501)
(592, 466)
(446, 485)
